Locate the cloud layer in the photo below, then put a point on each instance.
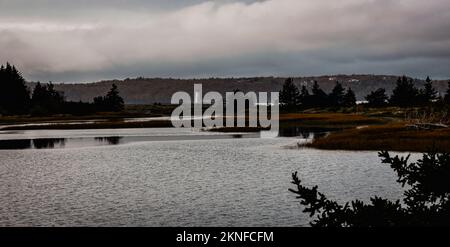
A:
(225, 38)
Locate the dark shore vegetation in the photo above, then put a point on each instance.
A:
(426, 200)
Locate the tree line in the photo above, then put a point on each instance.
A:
(405, 94)
(17, 99)
(292, 98)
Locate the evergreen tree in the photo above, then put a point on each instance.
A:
(336, 97)
(114, 100)
(39, 94)
(405, 93)
(46, 100)
(304, 97)
(428, 94)
(377, 98)
(289, 95)
(349, 98)
(447, 95)
(318, 97)
(99, 103)
(14, 94)
(426, 201)
(111, 102)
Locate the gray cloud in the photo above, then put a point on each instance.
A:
(108, 39)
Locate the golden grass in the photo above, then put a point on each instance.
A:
(392, 137)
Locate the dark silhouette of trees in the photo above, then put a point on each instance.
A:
(349, 99)
(305, 97)
(428, 94)
(318, 97)
(289, 95)
(46, 143)
(79, 108)
(111, 102)
(293, 99)
(14, 94)
(426, 202)
(405, 93)
(336, 97)
(377, 98)
(447, 95)
(46, 100)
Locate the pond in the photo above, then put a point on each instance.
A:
(173, 177)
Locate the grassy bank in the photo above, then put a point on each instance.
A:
(393, 137)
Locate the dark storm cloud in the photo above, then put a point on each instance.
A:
(89, 40)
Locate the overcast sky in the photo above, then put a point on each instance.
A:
(89, 40)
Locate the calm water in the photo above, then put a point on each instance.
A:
(172, 177)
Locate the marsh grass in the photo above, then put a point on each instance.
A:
(392, 137)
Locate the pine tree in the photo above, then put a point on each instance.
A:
(111, 102)
(405, 93)
(318, 97)
(377, 98)
(14, 94)
(336, 97)
(304, 97)
(289, 95)
(349, 98)
(46, 100)
(428, 94)
(114, 99)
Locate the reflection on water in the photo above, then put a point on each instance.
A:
(15, 144)
(40, 143)
(74, 142)
(49, 143)
(111, 140)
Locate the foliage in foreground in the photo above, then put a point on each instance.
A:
(426, 202)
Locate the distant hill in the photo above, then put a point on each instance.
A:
(160, 90)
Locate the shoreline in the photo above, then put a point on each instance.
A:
(349, 131)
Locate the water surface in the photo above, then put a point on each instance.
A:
(211, 180)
